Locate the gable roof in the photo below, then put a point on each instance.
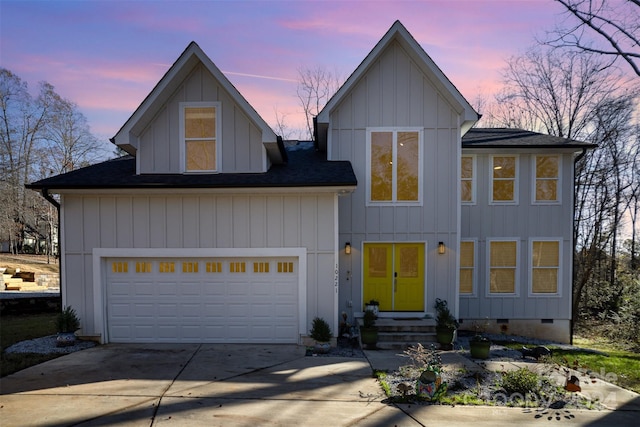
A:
(306, 168)
(399, 33)
(126, 138)
(517, 138)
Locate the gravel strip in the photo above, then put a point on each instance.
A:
(47, 345)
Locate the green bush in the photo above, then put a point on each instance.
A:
(521, 381)
(320, 330)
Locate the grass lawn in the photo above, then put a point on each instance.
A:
(611, 364)
(14, 329)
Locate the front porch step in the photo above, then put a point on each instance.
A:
(398, 334)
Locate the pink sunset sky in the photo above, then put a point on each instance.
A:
(106, 56)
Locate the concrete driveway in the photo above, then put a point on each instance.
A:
(240, 385)
(230, 385)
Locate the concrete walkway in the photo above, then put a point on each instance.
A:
(240, 385)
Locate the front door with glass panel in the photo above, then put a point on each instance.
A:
(394, 275)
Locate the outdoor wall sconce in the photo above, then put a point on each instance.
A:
(347, 248)
(441, 248)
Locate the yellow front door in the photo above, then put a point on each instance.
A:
(394, 275)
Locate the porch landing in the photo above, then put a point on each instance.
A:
(399, 333)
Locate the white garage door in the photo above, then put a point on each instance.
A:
(220, 300)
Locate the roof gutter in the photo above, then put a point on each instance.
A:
(50, 199)
(573, 252)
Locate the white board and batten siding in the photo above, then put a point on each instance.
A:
(395, 93)
(242, 151)
(194, 227)
(522, 222)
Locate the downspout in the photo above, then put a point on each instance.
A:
(573, 252)
(54, 202)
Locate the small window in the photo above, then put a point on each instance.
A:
(260, 267)
(503, 267)
(189, 267)
(467, 179)
(285, 267)
(237, 267)
(167, 267)
(504, 182)
(545, 266)
(547, 178)
(214, 267)
(120, 267)
(200, 136)
(143, 267)
(467, 266)
(394, 166)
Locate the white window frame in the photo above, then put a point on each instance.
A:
(181, 129)
(534, 180)
(516, 284)
(474, 274)
(558, 292)
(516, 181)
(395, 131)
(474, 166)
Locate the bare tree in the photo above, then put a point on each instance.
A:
(22, 120)
(315, 87)
(69, 143)
(580, 96)
(614, 24)
(38, 137)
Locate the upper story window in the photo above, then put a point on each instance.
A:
(504, 179)
(200, 132)
(547, 178)
(394, 166)
(468, 179)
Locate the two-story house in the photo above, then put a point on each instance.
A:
(212, 231)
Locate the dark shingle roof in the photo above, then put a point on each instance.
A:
(517, 138)
(306, 168)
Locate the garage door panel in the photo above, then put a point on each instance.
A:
(167, 288)
(202, 300)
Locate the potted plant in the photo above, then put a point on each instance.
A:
(373, 305)
(479, 344)
(321, 333)
(67, 324)
(446, 324)
(369, 330)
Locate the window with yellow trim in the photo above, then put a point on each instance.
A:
(200, 136)
(143, 267)
(503, 263)
(189, 267)
(120, 267)
(467, 179)
(547, 170)
(260, 267)
(545, 266)
(167, 267)
(285, 267)
(213, 267)
(504, 182)
(238, 267)
(467, 266)
(394, 167)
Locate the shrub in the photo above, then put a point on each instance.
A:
(67, 320)
(444, 318)
(320, 330)
(521, 381)
(369, 319)
(423, 358)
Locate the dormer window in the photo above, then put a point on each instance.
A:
(200, 136)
